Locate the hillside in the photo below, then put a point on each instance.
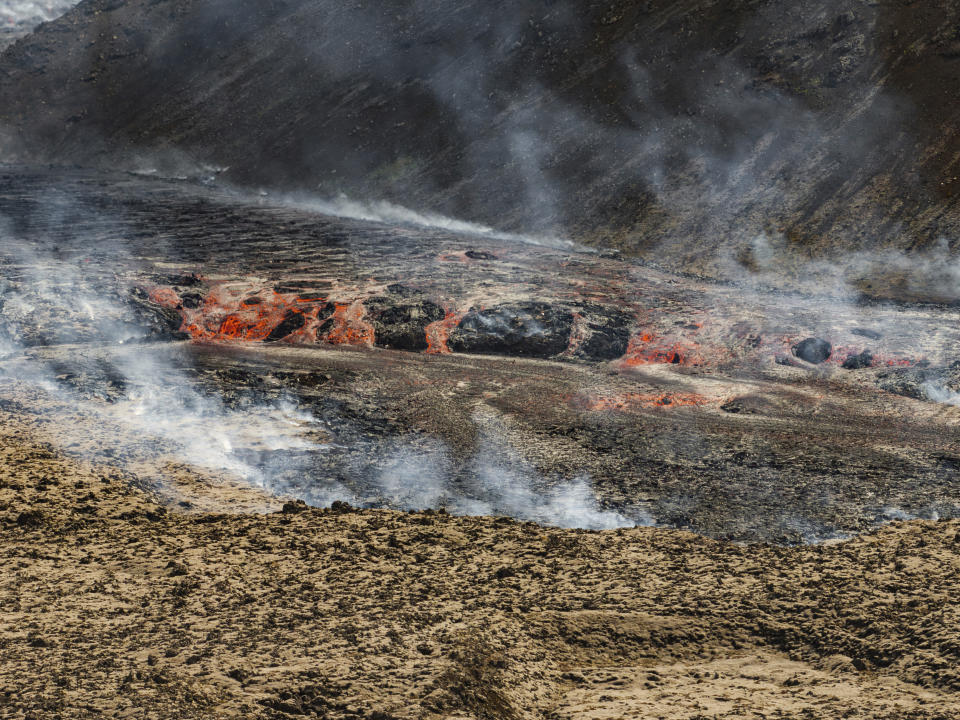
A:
(665, 128)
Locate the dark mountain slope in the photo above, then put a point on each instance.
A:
(672, 127)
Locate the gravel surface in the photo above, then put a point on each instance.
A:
(113, 606)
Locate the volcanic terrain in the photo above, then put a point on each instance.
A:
(480, 360)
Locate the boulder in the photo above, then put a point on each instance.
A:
(532, 329)
(813, 350)
(858, 362)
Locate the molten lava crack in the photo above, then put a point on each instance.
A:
(407, 318)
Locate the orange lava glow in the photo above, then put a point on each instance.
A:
(165, 297)
(350, 326)
(223, 316)
(249, 310)
(647, 349)
(241, 312)
(439, 332)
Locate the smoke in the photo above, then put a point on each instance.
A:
(389, 213)
(496, 480)
(73, 329)
(941, 394)
(18, 17)
(626, 122)
(27, 12)
(48, 302)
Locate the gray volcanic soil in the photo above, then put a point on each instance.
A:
(669, 129)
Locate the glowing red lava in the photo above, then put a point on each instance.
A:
(647, 349)
(349, 326)
(239, 312)
(439, 332)
(165, 297)
(248, 311)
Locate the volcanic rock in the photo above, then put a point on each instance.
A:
(402, 324)
(532, 329)
(922, 383)
(813, 350)
(480, 255)
(191, 300)
(609, 334)
(291, 322)
(360, 104)
(603, 422)
(858, 362)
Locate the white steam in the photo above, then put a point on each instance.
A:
(67, 332)
(389, 213)
(149, 397)
(941, 394)
(18, 17)
(495, 481)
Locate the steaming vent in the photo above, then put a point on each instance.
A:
(388, 364)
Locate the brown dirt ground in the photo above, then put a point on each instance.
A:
(112, 605)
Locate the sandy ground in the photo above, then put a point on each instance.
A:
(114, 605)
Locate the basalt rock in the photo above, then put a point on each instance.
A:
(291, 322)
(325, 316)
(858, 362)
(609, 334)
(480, 255)
(813, 350)
(402, 324)
(530, 329)
(938, 384)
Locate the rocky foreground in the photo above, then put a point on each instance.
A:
(141, 579)
(111, 605)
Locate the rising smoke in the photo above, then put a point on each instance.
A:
(670, 134)
(18, 17)
(484, 118)
(50, 302)
(73, 329)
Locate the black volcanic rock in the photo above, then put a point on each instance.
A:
(531, 329)
(402, 324)
(813, 350)
(291, 322)
(609, 334)
(858, 362)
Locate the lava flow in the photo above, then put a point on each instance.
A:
(647, 349)
(247, 310)
(348, 326)
(439, 332)
(232, 311)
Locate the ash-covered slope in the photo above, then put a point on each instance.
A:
(676, 125)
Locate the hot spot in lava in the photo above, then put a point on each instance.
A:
(407, 318)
